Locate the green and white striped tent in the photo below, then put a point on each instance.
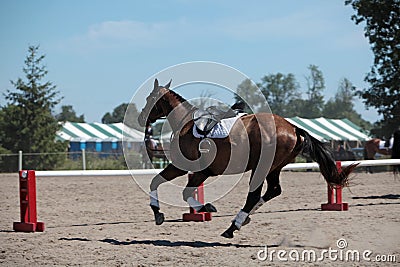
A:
(331, 129)
(325, 130)
(321, 128)
(92, 132)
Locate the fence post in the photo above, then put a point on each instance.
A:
(83, 159)
(20, 160)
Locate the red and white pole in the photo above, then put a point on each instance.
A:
(335, 196)
(193, 215)
(27, 197)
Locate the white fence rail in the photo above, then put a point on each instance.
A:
(292, 166)
(363, 163)
(98, 173)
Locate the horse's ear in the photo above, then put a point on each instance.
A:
(168, 84)
(155, 84)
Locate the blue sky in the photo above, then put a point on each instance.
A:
(99, 52)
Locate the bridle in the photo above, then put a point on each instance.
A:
(153, 99)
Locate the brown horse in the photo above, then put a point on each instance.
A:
(372, 147)
(271, 142)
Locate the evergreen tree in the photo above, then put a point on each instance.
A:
(28, 123)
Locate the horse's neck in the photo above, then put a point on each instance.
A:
(179, 112)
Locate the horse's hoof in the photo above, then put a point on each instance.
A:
(246, 221)
(159, 217)
(208, 208)
(227, 234)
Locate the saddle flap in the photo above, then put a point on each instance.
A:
(205, 124)
(205, 120)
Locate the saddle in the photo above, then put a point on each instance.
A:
(205, 120)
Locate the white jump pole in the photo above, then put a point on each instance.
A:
(292, 166)
(362, 163)
(20, 160)
(98, 173)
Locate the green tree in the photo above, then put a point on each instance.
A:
(5, 160)
(126, 113)
(342, 105)
(28, 123)
(68, 114)
(280, 91)
(116, 116)
(131, 117)
(253, 98)
(315, 99)
(382, 28)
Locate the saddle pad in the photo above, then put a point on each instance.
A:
(220, 130)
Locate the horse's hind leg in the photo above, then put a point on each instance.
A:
(273, 190)
(243, 216)
(255, 201)
(168, 174)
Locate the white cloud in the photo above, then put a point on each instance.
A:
(314, 25)
(152, 34)
(120, 34)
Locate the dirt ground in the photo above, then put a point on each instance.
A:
(106, 221)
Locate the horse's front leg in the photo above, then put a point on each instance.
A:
(168, 174)
(194, 181)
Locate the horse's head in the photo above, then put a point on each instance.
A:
(155, 107)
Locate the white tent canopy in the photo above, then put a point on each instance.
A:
(331, 129)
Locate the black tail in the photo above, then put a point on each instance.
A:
(322, 154)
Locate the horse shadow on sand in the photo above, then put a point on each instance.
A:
(388, 196)
(228, 215)
(167, 243)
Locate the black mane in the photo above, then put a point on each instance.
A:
(181, 99)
